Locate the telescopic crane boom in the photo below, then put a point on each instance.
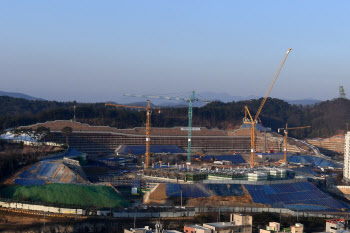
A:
(286, 137)
(148, 127)
(252, 121)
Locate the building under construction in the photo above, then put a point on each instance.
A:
(96, 140)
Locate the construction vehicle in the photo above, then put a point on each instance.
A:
(286, 137)
(148, 127)
(201, 156)
(190, 103)
(253, 121)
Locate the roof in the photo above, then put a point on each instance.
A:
(221, 224)
(198, 227)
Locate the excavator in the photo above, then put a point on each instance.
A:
(201, 156)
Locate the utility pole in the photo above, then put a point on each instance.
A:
(265, 142)
(74, 110)
(135, 218)
(181, 197)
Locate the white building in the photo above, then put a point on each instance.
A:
(335, 225)
(297, 228)
(347, 157)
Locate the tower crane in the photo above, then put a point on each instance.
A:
(285, 138)
(148, 127)
(190, 103)
(253, 121)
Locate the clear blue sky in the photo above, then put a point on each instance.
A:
(98, 50)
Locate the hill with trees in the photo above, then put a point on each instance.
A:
(326, 118)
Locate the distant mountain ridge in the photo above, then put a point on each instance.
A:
(212, 96)
(19, 95)
(226, 98)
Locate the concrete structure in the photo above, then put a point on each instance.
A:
(241, 219)
(333, 144)
(94, 140)
(266, 156)
(157, 229)
(196, 229)
(146, 229)
(297, 228)
(336, 225)
(347, 158)
(272, 227)
(239, 223)
(257, 176)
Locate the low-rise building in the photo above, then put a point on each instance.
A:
(297, 228)
(241, 219)
(336, 225)
(197, 229)
(145, 229)
(239, 223)
(158, 229)
(273, 226)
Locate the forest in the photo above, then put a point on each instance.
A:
(326, 119)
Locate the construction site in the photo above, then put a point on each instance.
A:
(189, 167)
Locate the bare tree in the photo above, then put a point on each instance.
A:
(66, 131)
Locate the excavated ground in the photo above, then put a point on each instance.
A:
(157, 196)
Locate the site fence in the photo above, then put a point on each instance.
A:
(156, 212)
(16, 202)
(262, 182)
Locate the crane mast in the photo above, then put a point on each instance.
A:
(286, 137)
(148, 127)
(252, 121)
(190, 114)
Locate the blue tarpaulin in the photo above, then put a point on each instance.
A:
(316, 161)
(295, 196)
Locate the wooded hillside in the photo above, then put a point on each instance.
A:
(326, 118)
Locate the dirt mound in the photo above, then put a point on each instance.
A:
(245, 200)
(156, 196)
(244, 132)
